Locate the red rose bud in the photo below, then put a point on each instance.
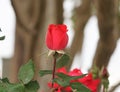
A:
(56, 37)
(105, 73)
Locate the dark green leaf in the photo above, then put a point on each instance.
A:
(5, 80)
(2, 89)
(26, 72)
(15, 88)
(62, 61)
(61, 82)
(6, 86)
(105, 83)
(2, 37)
(32, 86)
(64, 80)
(63, 76)
(79, 87)
(2, 86)
(44, 72)
(77, 77)
(68, 78)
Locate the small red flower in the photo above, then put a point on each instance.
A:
(75, 72)
(62, 70)
(56, 37)
(87, 80)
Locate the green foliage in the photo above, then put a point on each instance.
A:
(25, 84)
(61, 82)
(105, 83)
(26, 72)
(3, 83)
(32, 86)
(2, 37)
(5, 80)
(44, 72)
(19, 87)
(104, 78)
(64, 80)
(95, 72)
(6, 86)
(79, 87)
(68, 78)
(3, 89)
(62, 61)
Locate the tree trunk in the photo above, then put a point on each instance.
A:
(32, 20)
(108, 37)
(27, 32)
(118, 15)
(81, 16)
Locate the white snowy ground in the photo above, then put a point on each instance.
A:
(7, 21)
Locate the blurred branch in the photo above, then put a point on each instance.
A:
(118, 15)
(80, 18)
(107, 29)
(59, 11)
(114, 87)
(26, 16)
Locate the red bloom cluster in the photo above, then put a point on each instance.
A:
(56, 37)
(87, 80)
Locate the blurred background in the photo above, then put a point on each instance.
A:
(94, 31)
